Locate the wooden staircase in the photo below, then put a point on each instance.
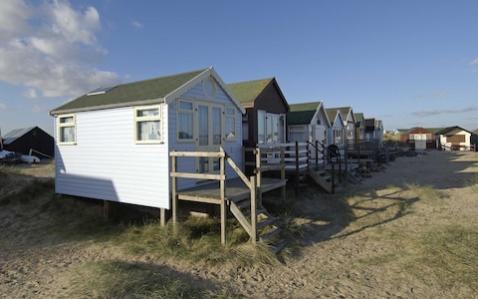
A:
(241, 195)
(267, 227)
(323, 179)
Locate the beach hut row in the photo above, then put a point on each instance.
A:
(190, 137)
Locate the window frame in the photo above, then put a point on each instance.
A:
(233, 116)
(138, 119)
(193, 114)
(66, 125)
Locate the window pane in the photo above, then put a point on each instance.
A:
(149, 130)
(185, 125)
(230, 128)
(275, 128)
(66, 120)
(203, 165)
(203, 117)
(269, 129)
(67, 134)
(261, 119)
(185, 106)
(216, 125)
(148, 112)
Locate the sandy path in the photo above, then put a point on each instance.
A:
(362, 249)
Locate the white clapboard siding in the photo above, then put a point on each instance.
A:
(106, 163)
(199, 93)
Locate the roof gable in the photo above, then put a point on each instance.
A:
(146, 92)
(333, 114)
(359, 117)
(247, 92)
(448, 130)
(303, 113)
(13, 135)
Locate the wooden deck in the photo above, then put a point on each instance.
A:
(235, 190)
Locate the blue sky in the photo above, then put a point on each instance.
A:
(410, 63)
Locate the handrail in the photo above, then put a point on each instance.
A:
(185, 154)
(238, 171)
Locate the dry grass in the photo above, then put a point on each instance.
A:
(473, 183)
(121, 279)
(450, 255)
(195, 240)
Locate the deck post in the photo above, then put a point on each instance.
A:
(282, 172)
(259, 175)
(333, 176)
(346, 164)
(316, 155)
(162, 217)
(297, 170)
(253, 210)
(174, 196)
(222, 190)
(340, 169)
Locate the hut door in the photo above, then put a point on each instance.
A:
(210, 134)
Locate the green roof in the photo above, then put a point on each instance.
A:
(359, 117)
(129, 93)
(247, 91)
(331, 114)
(302, 113)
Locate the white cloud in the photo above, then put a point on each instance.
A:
(57, 56)
(137, 24)
(422, 113)
(3, 106)
(474, 61)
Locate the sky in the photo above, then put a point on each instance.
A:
(409, 63)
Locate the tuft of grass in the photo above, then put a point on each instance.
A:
(196, 240)
(12, 192)
(121, 279)
(449, 254)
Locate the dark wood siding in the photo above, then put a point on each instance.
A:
(270, 100)
(36, 139)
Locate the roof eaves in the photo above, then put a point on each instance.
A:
(112, 106)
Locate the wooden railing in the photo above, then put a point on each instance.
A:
(221, 176)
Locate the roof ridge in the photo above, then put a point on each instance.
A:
(254, 80)
(303, 103)
(159, 77)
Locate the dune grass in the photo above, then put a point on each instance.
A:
(121, 279)
(196, 240)
(450, 255)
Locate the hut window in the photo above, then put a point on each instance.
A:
(185, 127)
(67, 129)
(261, 128)
(230, 123)
(148, 124)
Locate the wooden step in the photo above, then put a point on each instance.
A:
(322, 179)
(267, 237)
(266, 222)
(276, 248)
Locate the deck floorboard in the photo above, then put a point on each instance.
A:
(235, 190)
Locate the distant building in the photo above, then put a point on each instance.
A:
(419, 138)
(455, 139)
(373, 129)
(31, 140)
(359, 126)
